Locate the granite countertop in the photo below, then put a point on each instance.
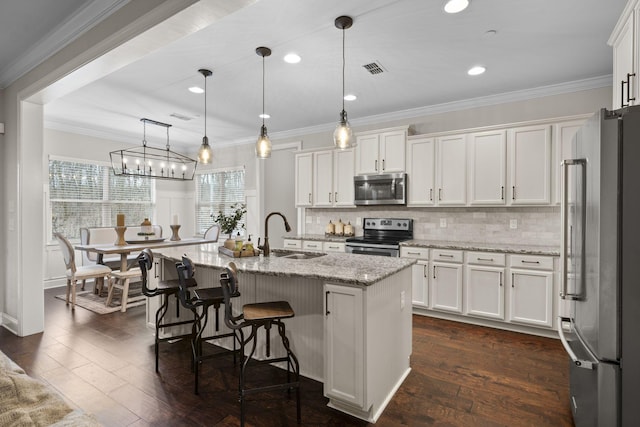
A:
(351, 269)
(319, 237)
(485, 247)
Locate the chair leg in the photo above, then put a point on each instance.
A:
(160, 313)
(292, 361)
(73, 294)
(83, 283)
(253, 337)
(68, 290)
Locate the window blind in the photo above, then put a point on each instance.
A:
(89, 195)
(217, 191)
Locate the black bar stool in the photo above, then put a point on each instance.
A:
(198, 301)
(256, 316)
(165, 289)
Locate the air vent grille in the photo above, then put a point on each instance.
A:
(374, 68)
(181, 116)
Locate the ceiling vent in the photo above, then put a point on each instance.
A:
(181, 116)
(374, 68)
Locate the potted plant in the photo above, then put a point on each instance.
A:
(231, 222)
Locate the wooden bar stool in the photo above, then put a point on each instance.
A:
(164, 289)
(256, 316)
(198, 300)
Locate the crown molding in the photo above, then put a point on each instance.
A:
(77, 24)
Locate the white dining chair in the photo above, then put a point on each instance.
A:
(74, 274)
(212, 233)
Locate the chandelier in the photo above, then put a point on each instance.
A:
(153, 162)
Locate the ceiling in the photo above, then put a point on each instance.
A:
(423, 51)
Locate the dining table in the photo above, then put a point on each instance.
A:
(125, 250)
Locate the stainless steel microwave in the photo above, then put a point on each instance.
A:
(386, 189)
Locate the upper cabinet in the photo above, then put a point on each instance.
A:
(487, 167)
(626, 50)
(563, 147)
(381, 151)
(529, 165)
(325, 179)
(451, 170)
(421, 169)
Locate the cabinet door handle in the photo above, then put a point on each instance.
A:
(329, 197)
(502, 193)
(155, 273)
(424, 270)
(326, 303)
(431, 194)
(312, 246)
(513, 279)
(622, 104)
(413, 253)
(439, 193)
(309, 197)
(335, 197)
(383, 165)
(629, 75)
(529, 262)
(485, 259)
(434, 271)
(376, 166)
(501, 279)
(513, 192)
(445, 255)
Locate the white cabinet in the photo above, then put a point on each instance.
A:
(292, 244)
(451, 170)
(304, 179)
(344, 344)
(446, 281)
(563, 147)
(325, 179)
(529, 165)
(333, 247)
(484, 285)
(487, 167)
(381, 152)
(531, 299)
(421, 163)
(419, 274)
(312, 245)
(624, 40)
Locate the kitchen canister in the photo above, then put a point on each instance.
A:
(330, 228)
(348, 229)
(339, 228)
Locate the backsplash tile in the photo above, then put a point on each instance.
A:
(535, 225)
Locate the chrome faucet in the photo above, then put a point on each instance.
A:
(265, 247)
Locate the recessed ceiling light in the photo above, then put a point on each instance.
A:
(264, 116)
(196, 89)
(350, 97)
(477, 70)
(292, 58)
(455, 6)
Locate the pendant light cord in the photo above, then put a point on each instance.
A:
(263, 90)
(343, 68)
(205, 105)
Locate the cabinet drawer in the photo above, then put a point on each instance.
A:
(413, 252)
(312, 245)
(292, 244)
(486, 258)
(446, 255)
(531, 262)
(333, 247)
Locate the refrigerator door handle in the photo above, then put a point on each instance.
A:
(581, 363)
(567, 230)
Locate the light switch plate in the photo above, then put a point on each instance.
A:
(309, 219)
(513, 224)
(443, 222)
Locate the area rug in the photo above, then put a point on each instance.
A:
(93, 302)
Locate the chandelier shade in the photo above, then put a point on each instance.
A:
(152, 162)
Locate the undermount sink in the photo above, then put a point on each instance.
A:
(295, 255)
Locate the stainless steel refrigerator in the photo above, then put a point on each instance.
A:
(601, 269)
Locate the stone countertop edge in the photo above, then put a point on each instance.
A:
(485, 247)
(322, 237)
(340, 268)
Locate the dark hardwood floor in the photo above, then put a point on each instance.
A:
(461, 375)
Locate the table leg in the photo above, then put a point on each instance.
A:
(123, 261)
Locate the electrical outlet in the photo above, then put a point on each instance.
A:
(309, 219)
(317, 220)
(513, 224)
(443, 222)
(402, 300)
(358, 221)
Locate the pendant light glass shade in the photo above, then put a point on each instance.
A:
(205, 153)
(263, 144)
(343, 136)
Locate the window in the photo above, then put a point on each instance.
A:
(89, 195)
(217, 191)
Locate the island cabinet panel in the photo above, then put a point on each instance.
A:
(344, 344)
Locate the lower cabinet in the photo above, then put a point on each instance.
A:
(344, 344)
(488, 288)
(314, 245)
(446, 281)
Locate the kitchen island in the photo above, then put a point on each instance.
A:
(352, 328)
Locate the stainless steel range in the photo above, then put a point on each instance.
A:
(382, 236)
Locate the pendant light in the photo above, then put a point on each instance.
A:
(263, 144)
(343, 136)
(204, 153)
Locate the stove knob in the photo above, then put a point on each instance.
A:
(405, 224)
(398, 225)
